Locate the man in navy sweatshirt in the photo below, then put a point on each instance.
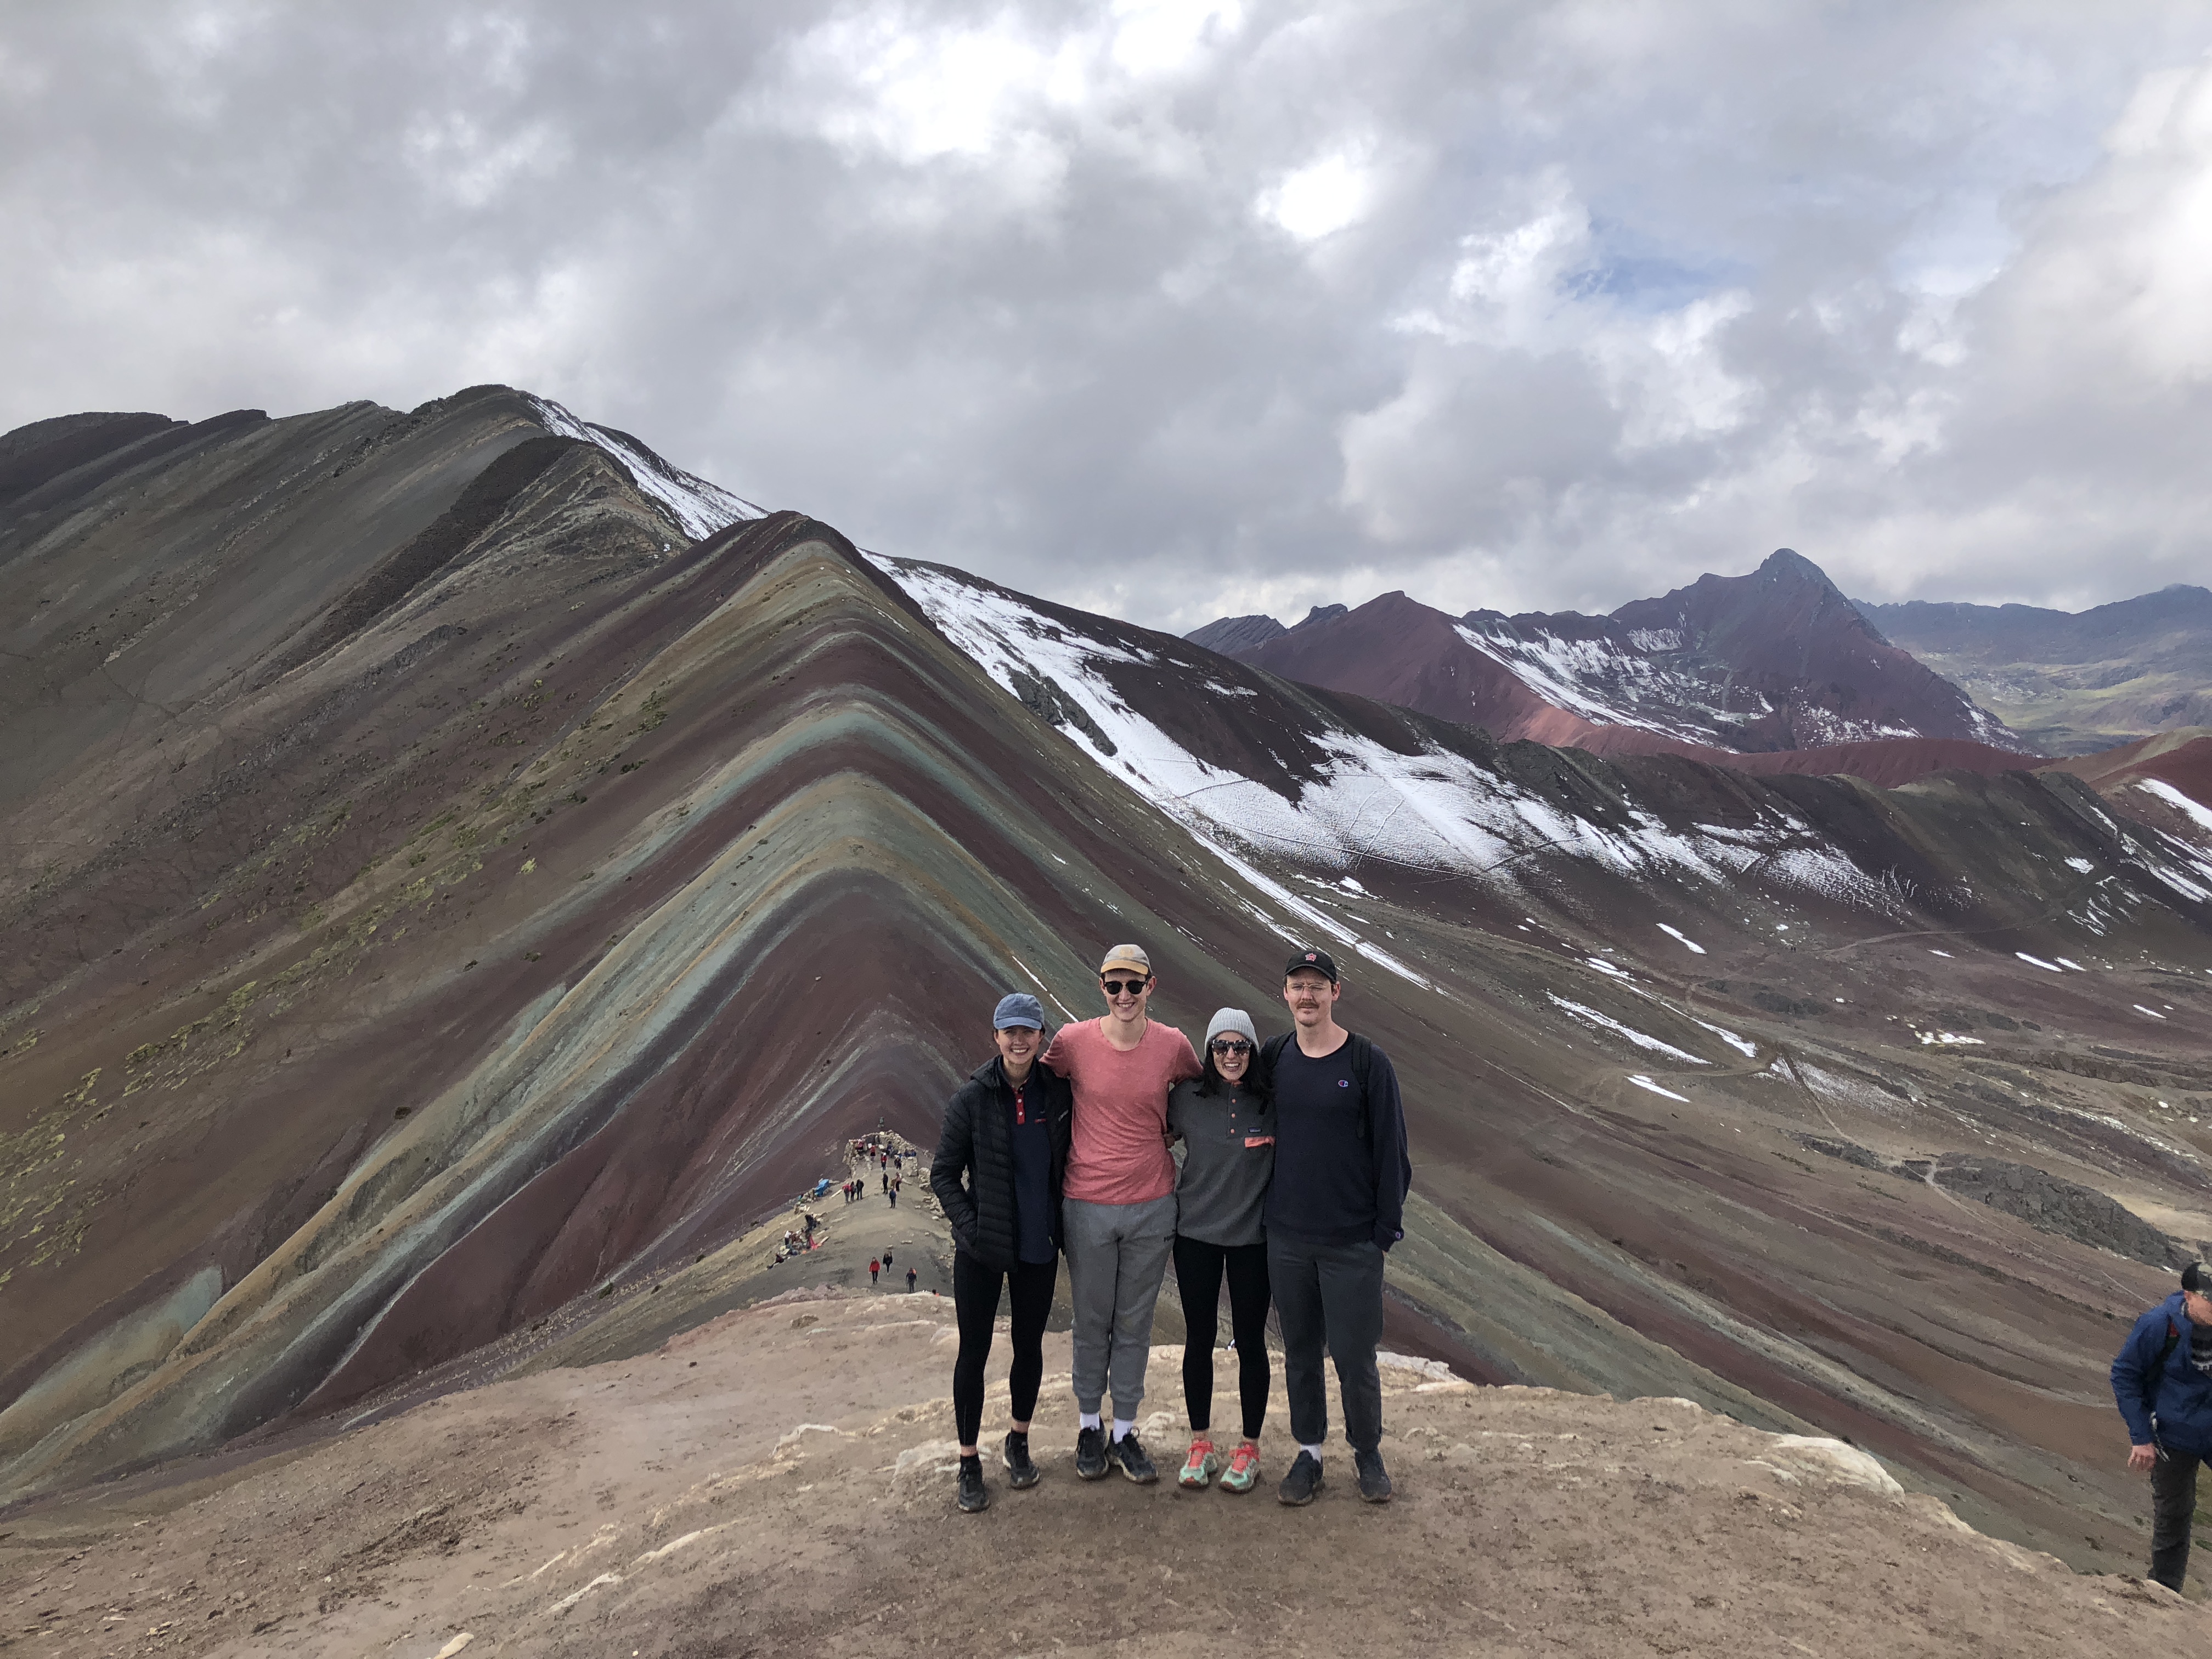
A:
(1335, 1207)
(2162, 1381)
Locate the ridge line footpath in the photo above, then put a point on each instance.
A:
(780, 1480)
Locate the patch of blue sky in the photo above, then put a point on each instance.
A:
(1650, 282)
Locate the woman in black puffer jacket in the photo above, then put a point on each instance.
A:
(998, 1172)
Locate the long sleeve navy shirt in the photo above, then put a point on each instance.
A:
(1334, 1183)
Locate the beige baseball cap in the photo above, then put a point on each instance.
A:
(1126, 957)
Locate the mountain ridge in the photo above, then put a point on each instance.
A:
(539, 935)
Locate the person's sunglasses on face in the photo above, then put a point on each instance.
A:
(1227, 1046)
(1115, 988)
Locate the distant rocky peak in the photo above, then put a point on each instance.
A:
(1230, 634)
(1321, 613)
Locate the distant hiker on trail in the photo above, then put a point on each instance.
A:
(1226, 1119)
(910, 1281)
(874, 1267)
(2162, 1379)
(1120, 1210)
(1000, 1162)
(887, 1178)
(894, 1196)
(1336, 1204)
(887, 1261)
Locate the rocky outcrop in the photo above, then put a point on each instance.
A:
(2054, 1204)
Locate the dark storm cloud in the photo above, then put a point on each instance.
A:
(1168, 309)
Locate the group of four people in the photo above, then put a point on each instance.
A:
(1291, 1190)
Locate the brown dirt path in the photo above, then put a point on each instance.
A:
(777, 1482)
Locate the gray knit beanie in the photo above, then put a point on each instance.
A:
(1232, 1019)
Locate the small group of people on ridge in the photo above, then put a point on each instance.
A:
(1290, 1191)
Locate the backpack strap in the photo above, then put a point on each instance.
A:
(1363, 1063)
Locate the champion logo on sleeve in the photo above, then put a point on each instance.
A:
(1344, 1082)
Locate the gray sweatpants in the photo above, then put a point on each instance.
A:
(1117, 1254)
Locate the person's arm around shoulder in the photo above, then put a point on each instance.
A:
(1186, 1060)
(955, 1152)
(1386, 1141)
(1059, 1053)
(1180, 1097)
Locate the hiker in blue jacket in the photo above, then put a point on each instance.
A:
(2162, 1379)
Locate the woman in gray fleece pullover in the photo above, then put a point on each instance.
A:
(1226, 1124)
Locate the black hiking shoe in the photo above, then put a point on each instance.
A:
(1374, 1481)
(1091, 1454)
(1303, 1480)
(975, 1496)
(1021, 1470)
(1128, 1454)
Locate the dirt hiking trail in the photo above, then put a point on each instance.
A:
(778, 1481)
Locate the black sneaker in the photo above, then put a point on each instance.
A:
(1303, 1480)
(1373, 1482)
(1129, 1457)
(1021, 1470)
(1091, 1454)
(975, 1496)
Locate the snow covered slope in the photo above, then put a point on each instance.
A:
(1346, 799)
(699, 508)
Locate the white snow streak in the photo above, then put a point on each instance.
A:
(699, 507)
(1608, 1022)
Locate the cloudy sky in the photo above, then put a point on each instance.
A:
(1169, 309)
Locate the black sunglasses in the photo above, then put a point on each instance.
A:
(1113, 987)
(1231, 1048)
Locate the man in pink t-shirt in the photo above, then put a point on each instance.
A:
(1119, 1213)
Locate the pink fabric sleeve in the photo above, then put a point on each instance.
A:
(1186, 1061)
(1056, 1051)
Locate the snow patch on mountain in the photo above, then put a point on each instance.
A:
(698, 506)
(1591, 1016)
(1433, 810)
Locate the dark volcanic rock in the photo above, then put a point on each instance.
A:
(1849, 1151)
(2058, 1206)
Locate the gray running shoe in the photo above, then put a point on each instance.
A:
(1373, 1482)
(1021, 1469)
(1128, 1454)
(1091, 1454)
(975, 1496)
(1303, 1480)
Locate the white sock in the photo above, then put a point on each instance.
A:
(1086, 1419)
(1122, 1426)
(1312, 1452)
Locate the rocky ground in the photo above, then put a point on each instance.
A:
(778, 1481)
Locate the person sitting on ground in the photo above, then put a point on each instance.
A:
(2162, 1381)
(1226, 1119)
(1001, 1160)
(1334, 1208)
(1121, 1204)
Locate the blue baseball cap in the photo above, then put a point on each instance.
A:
(1018, 1008)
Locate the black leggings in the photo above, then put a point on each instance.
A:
(1198, 1270)
(975, 1306)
